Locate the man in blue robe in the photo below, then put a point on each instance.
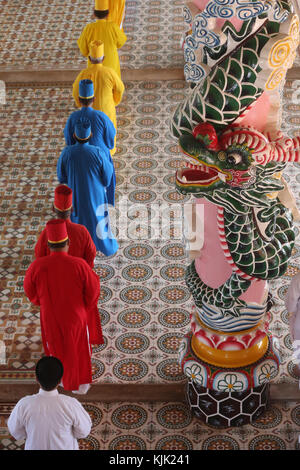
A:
(103, 130)
(88, 171)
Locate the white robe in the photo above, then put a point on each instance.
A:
(49, 421)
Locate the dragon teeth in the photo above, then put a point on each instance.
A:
(196, 167)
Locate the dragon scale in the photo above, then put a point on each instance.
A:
(248, 247)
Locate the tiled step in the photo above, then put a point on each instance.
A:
(69, 74)
(111, 393)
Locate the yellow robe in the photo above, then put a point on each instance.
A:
(112, 37)
(116, 11)
(108, 90)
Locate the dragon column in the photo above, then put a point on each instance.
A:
(237, 54)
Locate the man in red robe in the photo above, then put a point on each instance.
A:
(80, 241)
(67, 291)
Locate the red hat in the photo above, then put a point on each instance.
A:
(56, 231)
(63, 198)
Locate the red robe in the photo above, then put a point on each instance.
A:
(67, 291)
(81, 243)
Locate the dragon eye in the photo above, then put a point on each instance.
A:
(234, 158)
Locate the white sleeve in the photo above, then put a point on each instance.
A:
(293, 295)
(82, 422)
(15, 424)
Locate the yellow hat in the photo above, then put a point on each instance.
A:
(96, 49)
(101, 4)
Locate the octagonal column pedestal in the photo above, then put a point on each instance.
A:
(227, 409)
(228, 396)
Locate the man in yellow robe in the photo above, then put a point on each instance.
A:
(105, 31)
(108, 87)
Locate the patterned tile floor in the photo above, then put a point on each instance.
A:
(170, 426)
(144, 302)
(43, 35)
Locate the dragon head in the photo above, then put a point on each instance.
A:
(230, 160)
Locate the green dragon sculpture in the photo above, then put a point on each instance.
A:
(257, 231)
(237, 53)
(231, 164)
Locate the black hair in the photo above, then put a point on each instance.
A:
(49, 371)
(100, 14)
(52, 246)
(86, 101)
(62, 214)
(96, 61)
(81, 141)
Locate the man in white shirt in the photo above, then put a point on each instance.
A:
(49, 420)
(292, 303)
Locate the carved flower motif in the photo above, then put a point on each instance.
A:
(194, 373)
(267, 373)
(230, 383)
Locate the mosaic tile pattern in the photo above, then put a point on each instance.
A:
(144, 303)
(170, 426)
(43, 35)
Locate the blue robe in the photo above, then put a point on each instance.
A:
(103, 135)
(87, 170)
